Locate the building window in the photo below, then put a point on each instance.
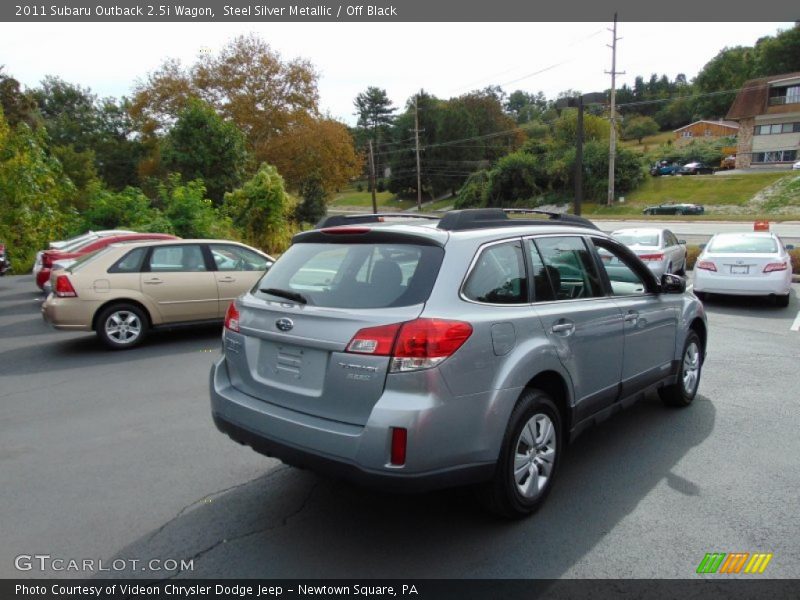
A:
(775, 156)
(686, 134)
(777, 128)
(784, 95)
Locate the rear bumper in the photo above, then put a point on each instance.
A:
(72, 314)
(771, 284)
(358, 454)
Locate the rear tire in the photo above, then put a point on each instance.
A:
(684, 390)
(782, 301)
(529, 458)
(122, 326)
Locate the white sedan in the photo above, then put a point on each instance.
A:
(744, 264)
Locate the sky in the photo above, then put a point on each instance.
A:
(445, 59)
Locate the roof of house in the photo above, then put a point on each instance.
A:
(753, 96)
(731, 124)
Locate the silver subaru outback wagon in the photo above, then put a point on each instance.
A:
(468, 349)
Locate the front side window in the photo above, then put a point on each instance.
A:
(573, 267)
(229, 257)
(619, 269)
(498, 276)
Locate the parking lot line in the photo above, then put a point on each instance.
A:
(796, 325)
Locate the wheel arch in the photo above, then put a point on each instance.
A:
(131, 301)
(699, 327)
(555, 386)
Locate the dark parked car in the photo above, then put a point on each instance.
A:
(3, 259)
(665, 167)
(696, 168)
(670, 208)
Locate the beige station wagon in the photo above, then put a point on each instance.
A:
(125, 290)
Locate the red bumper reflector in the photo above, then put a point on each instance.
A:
(399, 441)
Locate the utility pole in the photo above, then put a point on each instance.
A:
(612, 148)
(372, 179)
(416, 138)
(579, 159)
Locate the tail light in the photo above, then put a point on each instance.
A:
(706, 265)
(781, 266)
(399, 444)
(63, 288)
(232, 318)
(652, 257)
(47, 260)
(414, 345)
(377, 341)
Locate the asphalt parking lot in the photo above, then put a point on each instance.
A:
(113, 455)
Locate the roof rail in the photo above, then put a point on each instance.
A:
(336, 220)
(480, 218)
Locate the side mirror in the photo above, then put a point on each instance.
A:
(682, 242)
(790, 246)
(672, 284)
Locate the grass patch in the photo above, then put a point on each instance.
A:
(650, 142)
(385, 200)
(702, 189)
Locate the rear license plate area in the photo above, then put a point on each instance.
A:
(740, 270)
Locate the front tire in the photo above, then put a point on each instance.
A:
(684, 390)
(122, 326)
(529, 458)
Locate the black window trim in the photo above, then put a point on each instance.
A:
(481, 249)
(652, 285)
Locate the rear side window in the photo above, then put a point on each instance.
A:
(130, 263)
(498, 276)
(355, 275)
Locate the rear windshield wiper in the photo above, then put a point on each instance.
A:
(286, 294)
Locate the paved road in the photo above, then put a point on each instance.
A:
(113, 455)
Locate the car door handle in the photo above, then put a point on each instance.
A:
(561, 327)
(227, 280)
(632, 317)
(154, 281)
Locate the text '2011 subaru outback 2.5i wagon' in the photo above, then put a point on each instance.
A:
(462, 350)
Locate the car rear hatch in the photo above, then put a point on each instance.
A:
(743, 265)
(296, 324)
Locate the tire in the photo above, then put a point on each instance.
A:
(700, 296)
(684, 390)
(532, 442)
(782, 301)
(122, 326)
(682, 271)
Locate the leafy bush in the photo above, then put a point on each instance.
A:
(692, 252)
(189, 212)
(261, 211)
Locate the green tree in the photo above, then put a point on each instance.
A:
(313, 206)
(190, 213)
(261, 210)
(375, 114)
(565, 128)
(513, 180)
(129, 208)
(726, 72)
(779, 54)
(201, 145)
(35, 194)
(18, 106)
(638, 127)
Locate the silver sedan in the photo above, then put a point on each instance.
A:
(659, 249)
